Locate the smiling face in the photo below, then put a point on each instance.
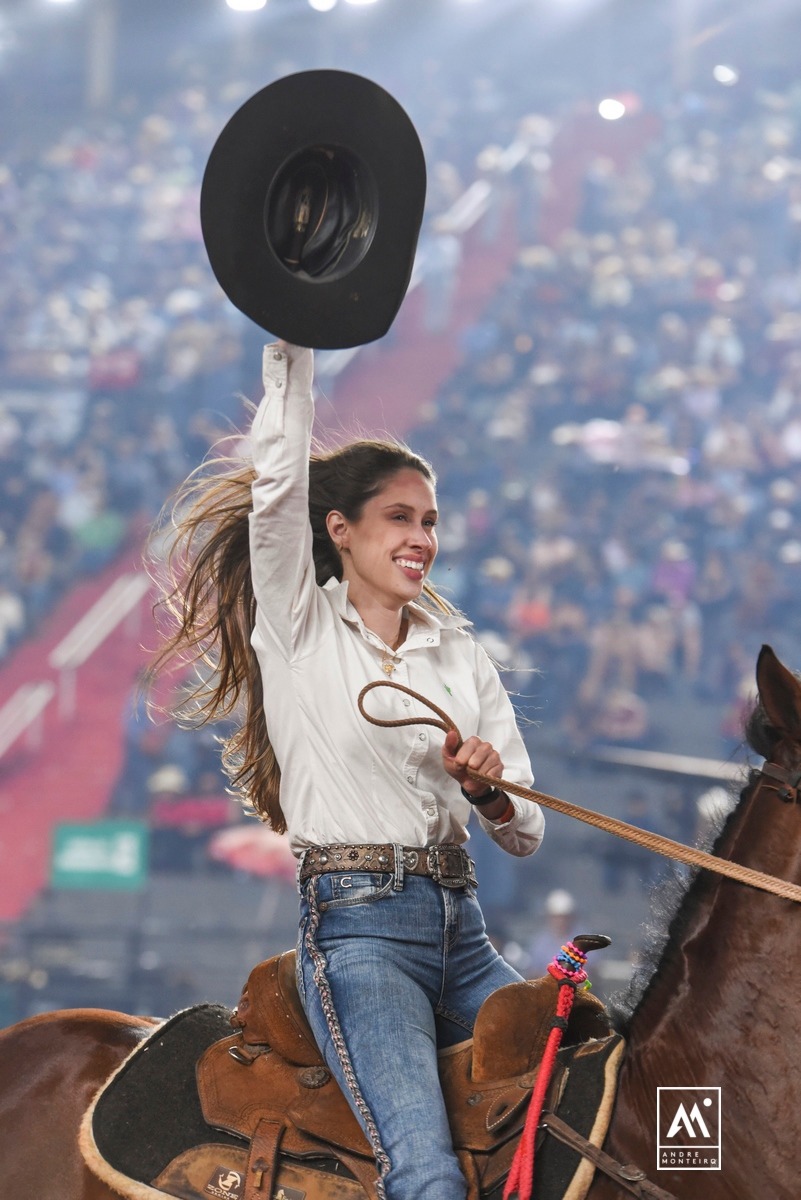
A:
(388, 551)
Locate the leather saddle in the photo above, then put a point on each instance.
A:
(286, 1131)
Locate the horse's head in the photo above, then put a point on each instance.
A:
(774, 727)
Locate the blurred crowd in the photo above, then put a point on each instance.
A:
(119, 356)
(619, 454)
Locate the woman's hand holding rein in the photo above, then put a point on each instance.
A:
(459, 757)
(483, 758)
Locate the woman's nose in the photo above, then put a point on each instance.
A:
(420, 536)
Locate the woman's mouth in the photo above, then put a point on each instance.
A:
(413, 568)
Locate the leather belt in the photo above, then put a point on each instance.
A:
(447, 864)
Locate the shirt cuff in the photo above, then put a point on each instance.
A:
(521, 834)
(284, 365)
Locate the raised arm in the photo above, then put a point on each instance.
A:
(280, 534)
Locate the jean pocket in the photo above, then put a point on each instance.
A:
(340, 889)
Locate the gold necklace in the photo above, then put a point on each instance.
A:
(389, 660)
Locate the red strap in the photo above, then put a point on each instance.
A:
(521, 1176)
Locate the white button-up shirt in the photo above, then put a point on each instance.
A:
(343, 779)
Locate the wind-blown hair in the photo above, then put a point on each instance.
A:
(207, 594)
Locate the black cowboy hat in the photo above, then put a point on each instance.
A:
(311, 205)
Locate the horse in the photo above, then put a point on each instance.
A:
(718, 1009)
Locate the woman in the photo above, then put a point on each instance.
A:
(329, 594)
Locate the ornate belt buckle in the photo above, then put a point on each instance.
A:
(448, 866)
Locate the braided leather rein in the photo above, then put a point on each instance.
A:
(622, 829)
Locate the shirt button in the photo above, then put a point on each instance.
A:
(407, 703)
(421, 737)
(410, 778)
(430, 641)
(277, 355)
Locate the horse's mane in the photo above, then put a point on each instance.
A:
(669, 910)
(673, 899)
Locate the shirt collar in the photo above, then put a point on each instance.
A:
(337, 590)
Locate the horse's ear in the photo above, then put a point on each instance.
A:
(779, 693)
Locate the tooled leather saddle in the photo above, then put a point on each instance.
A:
(271, 1124)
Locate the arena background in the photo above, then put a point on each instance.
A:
(600, 351)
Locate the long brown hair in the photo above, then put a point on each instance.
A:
(207, 594)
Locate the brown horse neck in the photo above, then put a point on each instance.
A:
(720, 1005)
(724, 930)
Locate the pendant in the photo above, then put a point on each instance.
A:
(388, 666)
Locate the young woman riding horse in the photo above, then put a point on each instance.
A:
(299, 581)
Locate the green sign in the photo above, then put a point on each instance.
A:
(103, 854)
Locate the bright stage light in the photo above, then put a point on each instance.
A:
(728, 76)
(612, 110)
(246, 5)
(323, 5)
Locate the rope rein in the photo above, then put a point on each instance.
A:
(655, 842)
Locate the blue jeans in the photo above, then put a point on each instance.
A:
(388, 975)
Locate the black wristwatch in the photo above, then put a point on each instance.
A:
(481, 801)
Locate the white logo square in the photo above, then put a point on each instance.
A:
(688, 1125)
